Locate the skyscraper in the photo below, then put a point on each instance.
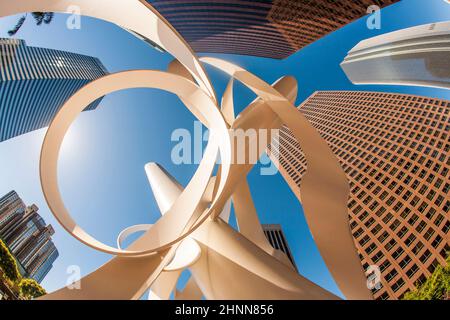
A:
(12, 209)
(24, 231)
(415, 56)
(266, 28)
(277, 240)
(394, 149)
(35, 82)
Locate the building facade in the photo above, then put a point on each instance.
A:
(265, 28)
(277, 240)
(395, 151)
(35, 82)
(415, 56)
(27, 236)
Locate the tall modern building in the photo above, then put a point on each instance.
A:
(35, 82)
(277, 240)
(395, 151)
(414, 56)
(27, 236)
(265, 28)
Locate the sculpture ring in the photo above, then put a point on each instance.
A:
(175, 224)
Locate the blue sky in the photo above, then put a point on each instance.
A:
(101, 167)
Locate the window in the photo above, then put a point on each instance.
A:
(364, 240)
(405, 213)
(390, 201)
(423, 189)
(369, 222)
(377, 257)
(398, 206)
(373, 206)
(384, 296)
(433, 266)
(422, 207)
(412, 271)
(391, 275)
(428, 234)
(410, 239)
(421, 280)
(439, 219)
(358, 232)
(380, 211)
(430, 214)
(431, 195)
(377, 190)
(387, 218)
(417, 247)
(439, 200)
(390, 244)
(402, 232)
(407, 195)
(397, 253)
(371, 248)
(376, 229)
(425, 256)
(446, 227)
(400, 283)
(405, 262)
(446, 206)
(413, 219)
(386, 264)
(437, 241)
(394, 224)
(383, 236)
(414, 200)
(421, 226)
(363, 216)
(446, 188)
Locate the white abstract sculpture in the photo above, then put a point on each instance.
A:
(191, 233)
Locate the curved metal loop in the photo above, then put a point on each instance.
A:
(125, 233)
(175, 224)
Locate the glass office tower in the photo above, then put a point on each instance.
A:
(35, 82)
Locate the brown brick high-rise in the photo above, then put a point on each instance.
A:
(266, 28)
(394, 149)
